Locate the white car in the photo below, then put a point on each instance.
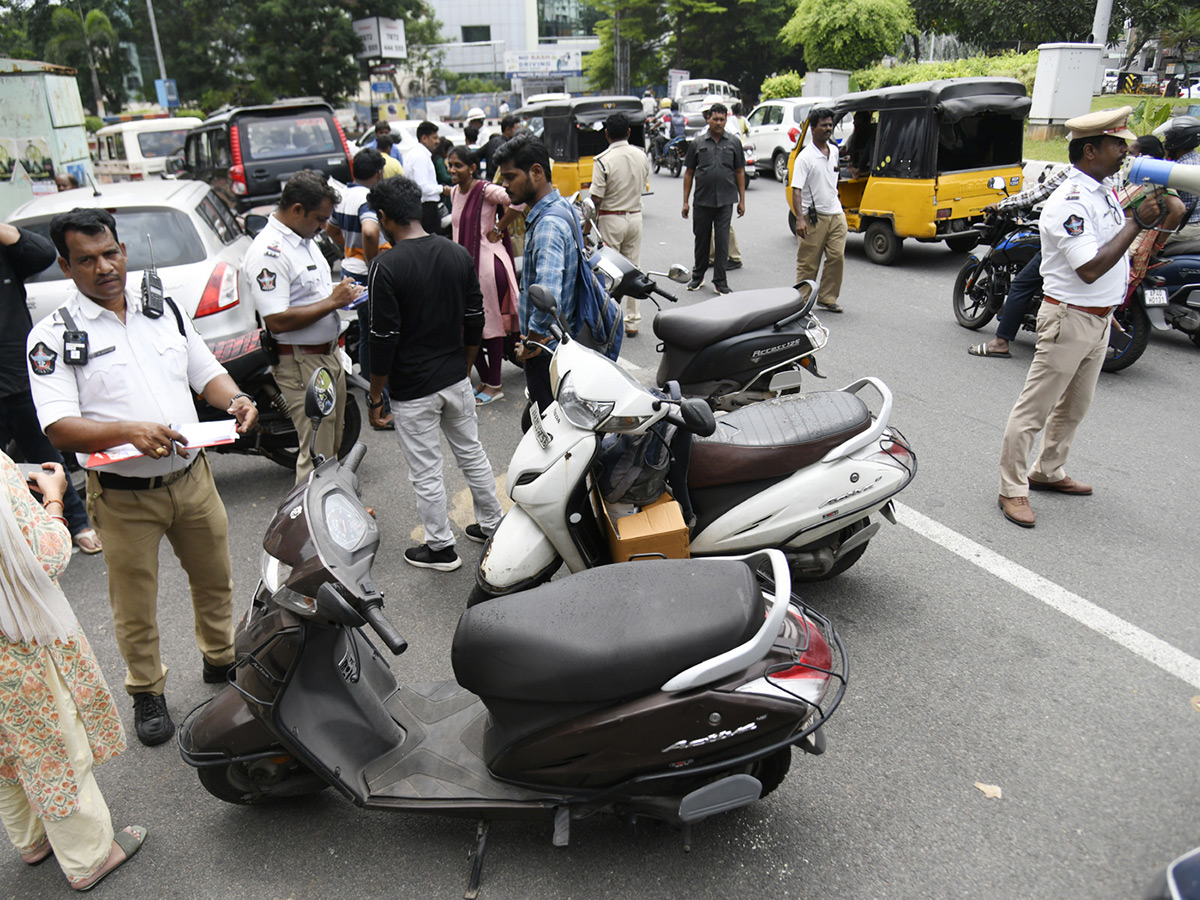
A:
(198, 248)
(774, 127)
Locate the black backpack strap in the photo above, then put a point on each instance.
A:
(178, 317)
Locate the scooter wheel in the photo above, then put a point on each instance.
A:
(232, 784)
(771, 770)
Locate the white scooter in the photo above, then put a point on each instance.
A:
(802, 474)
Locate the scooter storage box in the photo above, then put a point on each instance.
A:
(656, 532)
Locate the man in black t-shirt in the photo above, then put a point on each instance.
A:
(426, 312)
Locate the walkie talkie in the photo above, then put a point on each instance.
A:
(152, 287)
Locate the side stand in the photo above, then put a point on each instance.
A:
(481, 835)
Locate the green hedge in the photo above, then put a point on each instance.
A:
(1022, 66)
(789, 84)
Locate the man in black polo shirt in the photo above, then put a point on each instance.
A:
(426, 326)
(717, 164)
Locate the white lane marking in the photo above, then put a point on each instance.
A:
(627, 365)
(1150, 648)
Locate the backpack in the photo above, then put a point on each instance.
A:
(634, 468)
(598, 322)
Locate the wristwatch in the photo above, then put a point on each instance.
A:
(371, 405)
(241, 394)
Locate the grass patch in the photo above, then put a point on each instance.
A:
(1055, 150)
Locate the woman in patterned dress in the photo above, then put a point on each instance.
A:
(57, 716)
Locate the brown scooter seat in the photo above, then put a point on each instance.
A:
(703, 324)
(1182, 248)
(606, 634)
(776, 437)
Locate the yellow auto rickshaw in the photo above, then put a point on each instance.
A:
(572, 129)
(919, 160)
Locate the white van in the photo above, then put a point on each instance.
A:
(138, 149)
(699, 86)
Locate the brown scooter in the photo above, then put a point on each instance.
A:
(668, 689)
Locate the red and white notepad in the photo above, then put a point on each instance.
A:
(198, 434)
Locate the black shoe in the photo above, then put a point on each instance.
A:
(733, 264)
(444, 560)
(722, 289)
(476, 533)
(695, 284)
(214, 674)
(151, 719)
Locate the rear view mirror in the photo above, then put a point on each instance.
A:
(320, 397)
(680, 273)
(254, 224)
(698, 416)
(540, 297)
(176, 165)
(996, 184)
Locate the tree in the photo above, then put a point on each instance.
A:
(1184, 35)
(92, 38)
(848, 35)
(644, 27)
(14, 33)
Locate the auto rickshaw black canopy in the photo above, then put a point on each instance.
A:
(955, 124)
(568, 125)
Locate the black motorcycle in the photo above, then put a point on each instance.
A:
(667, 152)
(247, 362)
(983, 283)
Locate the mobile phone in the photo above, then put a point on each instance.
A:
(28, 470)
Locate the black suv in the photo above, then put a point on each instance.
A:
(247, 153)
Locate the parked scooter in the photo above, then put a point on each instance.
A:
(245, 359)
(672, 690)
(983, 282)
(731, 350)
(1170, 292)
(800, 474)
(1180, 880)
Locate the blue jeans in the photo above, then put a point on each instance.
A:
(18, 417)
(1020, 292)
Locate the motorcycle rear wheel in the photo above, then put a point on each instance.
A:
(1136, 321)
(351, 427)
(675, 165)
(655, 162)
(971, 308)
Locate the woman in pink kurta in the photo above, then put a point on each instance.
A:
(481, 213)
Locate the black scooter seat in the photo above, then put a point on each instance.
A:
(606, 634)
(1183, 248)
(703, 324)
(775, 437)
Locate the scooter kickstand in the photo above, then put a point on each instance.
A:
(481, 833)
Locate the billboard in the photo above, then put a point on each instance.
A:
(543, 62)
(381, 38)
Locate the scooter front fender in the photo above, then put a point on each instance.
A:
(223, 729)
(517, 552)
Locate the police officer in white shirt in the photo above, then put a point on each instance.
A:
(1085, 235)
(820, 222)
(112, 368)
(418, 166)
(293, 289)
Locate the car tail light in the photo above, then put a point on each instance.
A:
(237, 181)
(793, 134)
(220, 293)
(342, 136)
(136, 176)
(943, 213)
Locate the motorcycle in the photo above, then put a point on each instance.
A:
(667, 152)
(983, 283)
(732, 350)
(799, 474)
(1170, 292)
(247, 362)
(673, 691)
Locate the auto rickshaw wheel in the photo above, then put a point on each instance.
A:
(881, 243)
(962, 243)
(791, 222)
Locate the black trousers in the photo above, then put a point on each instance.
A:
(431, 216)
(710, 225)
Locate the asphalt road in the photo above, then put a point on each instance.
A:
(964, 669)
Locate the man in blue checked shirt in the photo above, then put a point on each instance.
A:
(551, 256)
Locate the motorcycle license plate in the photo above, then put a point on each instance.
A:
(1156, 297)
(539, 432)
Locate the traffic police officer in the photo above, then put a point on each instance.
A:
(104, 371)
(293, 289)
(1085, 271)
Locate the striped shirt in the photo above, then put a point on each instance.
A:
(349, 215)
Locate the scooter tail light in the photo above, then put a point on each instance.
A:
(220, 293)
(810, 674)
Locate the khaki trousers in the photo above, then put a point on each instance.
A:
(1071, 346)
(624, 234)
(82, 840)
(131, 525)
(292, 375)
(828, 238)
(735, 255)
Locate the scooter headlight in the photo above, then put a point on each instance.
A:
(274, 572)
(345, 522)
(580, 412)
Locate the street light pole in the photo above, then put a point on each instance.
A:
(162, 66)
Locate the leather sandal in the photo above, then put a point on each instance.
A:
(130, 840)
(88, 541)
(41, 850)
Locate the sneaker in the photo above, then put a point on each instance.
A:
(722, 289)
(733, 264)
(695, 284)
(476, 533)
(214, 674)
(151, 719)
(444, 560)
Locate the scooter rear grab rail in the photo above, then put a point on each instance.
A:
(875, 432)
(752, 650)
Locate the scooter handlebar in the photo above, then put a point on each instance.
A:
(386, 630)
(662, 293)
(355, 456)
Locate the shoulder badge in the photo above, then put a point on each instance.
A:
(1073, 226)
(272, 250)
(266, 280)
(42, 359)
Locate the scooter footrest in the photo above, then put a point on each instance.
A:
(720, 796)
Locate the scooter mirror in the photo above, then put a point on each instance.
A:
(542, 299)
(698, 417)
(320, 396)
(254, 224)
(680, 273)
(996, 184)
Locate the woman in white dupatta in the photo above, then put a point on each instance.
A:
(57, 717)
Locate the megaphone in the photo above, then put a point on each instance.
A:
(1159, 171)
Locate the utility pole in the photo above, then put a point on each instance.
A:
(1100, 33)
(620, 58)
(162, 66)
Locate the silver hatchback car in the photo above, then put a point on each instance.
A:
(198, 248)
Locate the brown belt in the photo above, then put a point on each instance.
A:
(311, 349)
(620, 212)
(1101, 311)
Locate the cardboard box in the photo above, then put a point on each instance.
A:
(657, 531)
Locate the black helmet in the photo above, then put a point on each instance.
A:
(1182, 135)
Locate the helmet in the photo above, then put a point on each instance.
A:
(647, 93)
(475, 113)
(664, 103)
(1183, 134)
